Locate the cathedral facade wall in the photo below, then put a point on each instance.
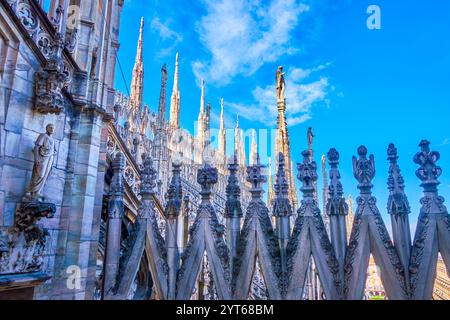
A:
(20, 125)
(75, 185)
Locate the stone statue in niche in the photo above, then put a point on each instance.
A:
(44, 157)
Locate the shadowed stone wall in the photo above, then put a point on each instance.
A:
(75, 184)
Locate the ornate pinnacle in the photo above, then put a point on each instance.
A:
(281, 185)
(118, 166)
(233, 206)
(148, 176)
(336, 203)
(333, 157)
(335, 189)
(392, 153)
(397, 202)
(395, 179)
(307, 174)
(428, 171)
(256, 178)
(206, 177)
(281, 205)
(364, 170)
(174, 193)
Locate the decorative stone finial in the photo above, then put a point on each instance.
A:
(115, 207)
(428, 171)
(118, 163)
(281, 185)
(256, 178)
(336, 203)
(207, 176)
(364, 170)
(395, 179)
(148, 176)
(118, 166)
(281, 205)
(333, 157)
(51, 79)
(392, 153)
(307, 174)
(174, 193)
(233, 191)
(397, 202)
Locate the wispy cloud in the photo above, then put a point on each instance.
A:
(303, 92)
(166, 34)
(240, 36)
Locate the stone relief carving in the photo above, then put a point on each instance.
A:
(27, 17)
(22, 247)
(52, 78)
(28, 214)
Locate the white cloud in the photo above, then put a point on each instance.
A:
(242, 35)
(301, 96)
(166, 34)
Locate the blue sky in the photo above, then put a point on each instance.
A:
(352, 85)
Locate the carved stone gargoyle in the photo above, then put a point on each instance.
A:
(28, 214)
(22, 246)
(4, 247)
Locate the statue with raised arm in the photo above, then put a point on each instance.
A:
(280, 83)
(44, 155)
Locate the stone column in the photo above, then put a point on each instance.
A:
(77, 215)
(233, 211)
(174, 196)
(399, 209)
(337, 210)
(282, 209)
(113, 231)
(433, 226)
(183, 225)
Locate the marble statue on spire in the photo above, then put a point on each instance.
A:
(310, 137)
(282, 141)
(280, 83)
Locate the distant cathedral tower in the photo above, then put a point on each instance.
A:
(254, 149)
(282, 144)
(137, 81)
(222, 132)
(174, 120)
(239, 144)
(201, 118)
